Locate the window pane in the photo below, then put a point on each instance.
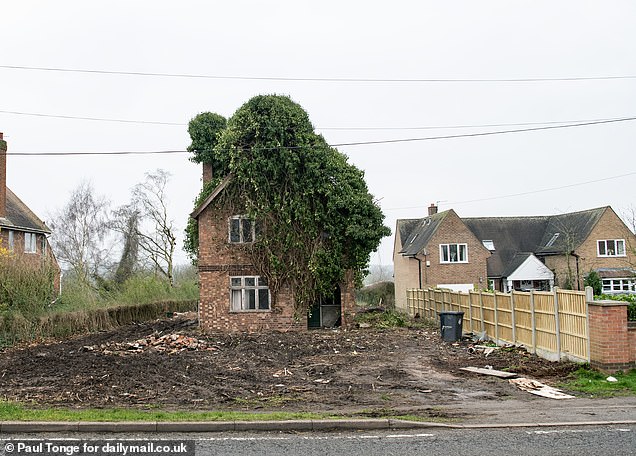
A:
(462, 252)
(620, 247)
(444, 253)
(250, 281)
(250, 300)
(453, 252)
(611, 249)
(601, 247)
(263, 299)
(234, 230)
(236, 281)
(247, 230)
(236, 300)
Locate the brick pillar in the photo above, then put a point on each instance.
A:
(347, 301)
(609, 339)
(3, 177)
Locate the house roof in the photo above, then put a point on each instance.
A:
(511, 236)
(20, 217)
(218, 189)
(415, 233)
(572, 228)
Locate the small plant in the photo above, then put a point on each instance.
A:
(595, 383)
(383, 320)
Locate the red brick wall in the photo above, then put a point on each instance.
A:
(452, 230)
(219, 260)
(610, 339)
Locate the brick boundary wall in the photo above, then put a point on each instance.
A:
(612, 338)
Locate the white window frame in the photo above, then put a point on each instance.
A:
(30, 243)
(11, 240)
(246, 293)
(448, 249)
(602, 246)
(619, 286)
(242, 220)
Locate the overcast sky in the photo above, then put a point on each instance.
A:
(480, 43)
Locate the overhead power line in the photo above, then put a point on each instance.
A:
(316, 79)
(530, 192)
(380, 128)
(358, 143)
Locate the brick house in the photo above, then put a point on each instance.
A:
(21, 231)
(234, 296)
(520, 253)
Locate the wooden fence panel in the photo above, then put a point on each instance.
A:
(552, 324)
(573, 323)
(523, 319)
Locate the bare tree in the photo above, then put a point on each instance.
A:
(629, 217)
(155, 230)
(79, 233)
(126, 222)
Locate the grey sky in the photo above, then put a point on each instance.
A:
(331, 39)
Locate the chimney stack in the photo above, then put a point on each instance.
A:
(207, 172)
(432, 209)
(3, 177)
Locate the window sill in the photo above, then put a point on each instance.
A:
(453, 262)
(612, 256)
(250, 311)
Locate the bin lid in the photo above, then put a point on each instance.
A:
(450, 312)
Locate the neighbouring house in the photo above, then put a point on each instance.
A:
(513, 253)
(22, 233)
(234, 296)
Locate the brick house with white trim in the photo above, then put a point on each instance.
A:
(520, 253)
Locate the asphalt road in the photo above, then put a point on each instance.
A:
(579, 441)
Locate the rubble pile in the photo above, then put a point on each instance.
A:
(168, 343)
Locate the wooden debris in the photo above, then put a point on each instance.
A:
(493, 372)
(168, 343)
(538, 388)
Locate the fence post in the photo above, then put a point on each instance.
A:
(470, 310)
(512, 316)
(589, 297)
(533, 319)
(557, 322)
(481, 313)
(494, 297)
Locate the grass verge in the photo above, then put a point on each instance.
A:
(11, 411)
(595, 383)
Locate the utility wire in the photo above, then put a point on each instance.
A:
(308, 79)
(359, 143)
(427, 127)
(530, 192)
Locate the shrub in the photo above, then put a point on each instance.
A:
(594, 280)
(630, 299)
(26, 287)
(381, 294)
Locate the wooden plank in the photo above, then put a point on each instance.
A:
(492, 372)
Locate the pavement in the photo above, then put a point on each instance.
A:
(475, 414)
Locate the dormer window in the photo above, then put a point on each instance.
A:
(490, 245)
(611, 247)
(242, 229)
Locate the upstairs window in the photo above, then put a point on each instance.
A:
(611, 247)
(249, 293)
(30, 245)
(242, 229)
(453, 253)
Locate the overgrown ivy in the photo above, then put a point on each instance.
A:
(317, 218)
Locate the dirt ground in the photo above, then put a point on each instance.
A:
(170, 364)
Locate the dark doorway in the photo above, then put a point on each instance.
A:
(326, 312)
